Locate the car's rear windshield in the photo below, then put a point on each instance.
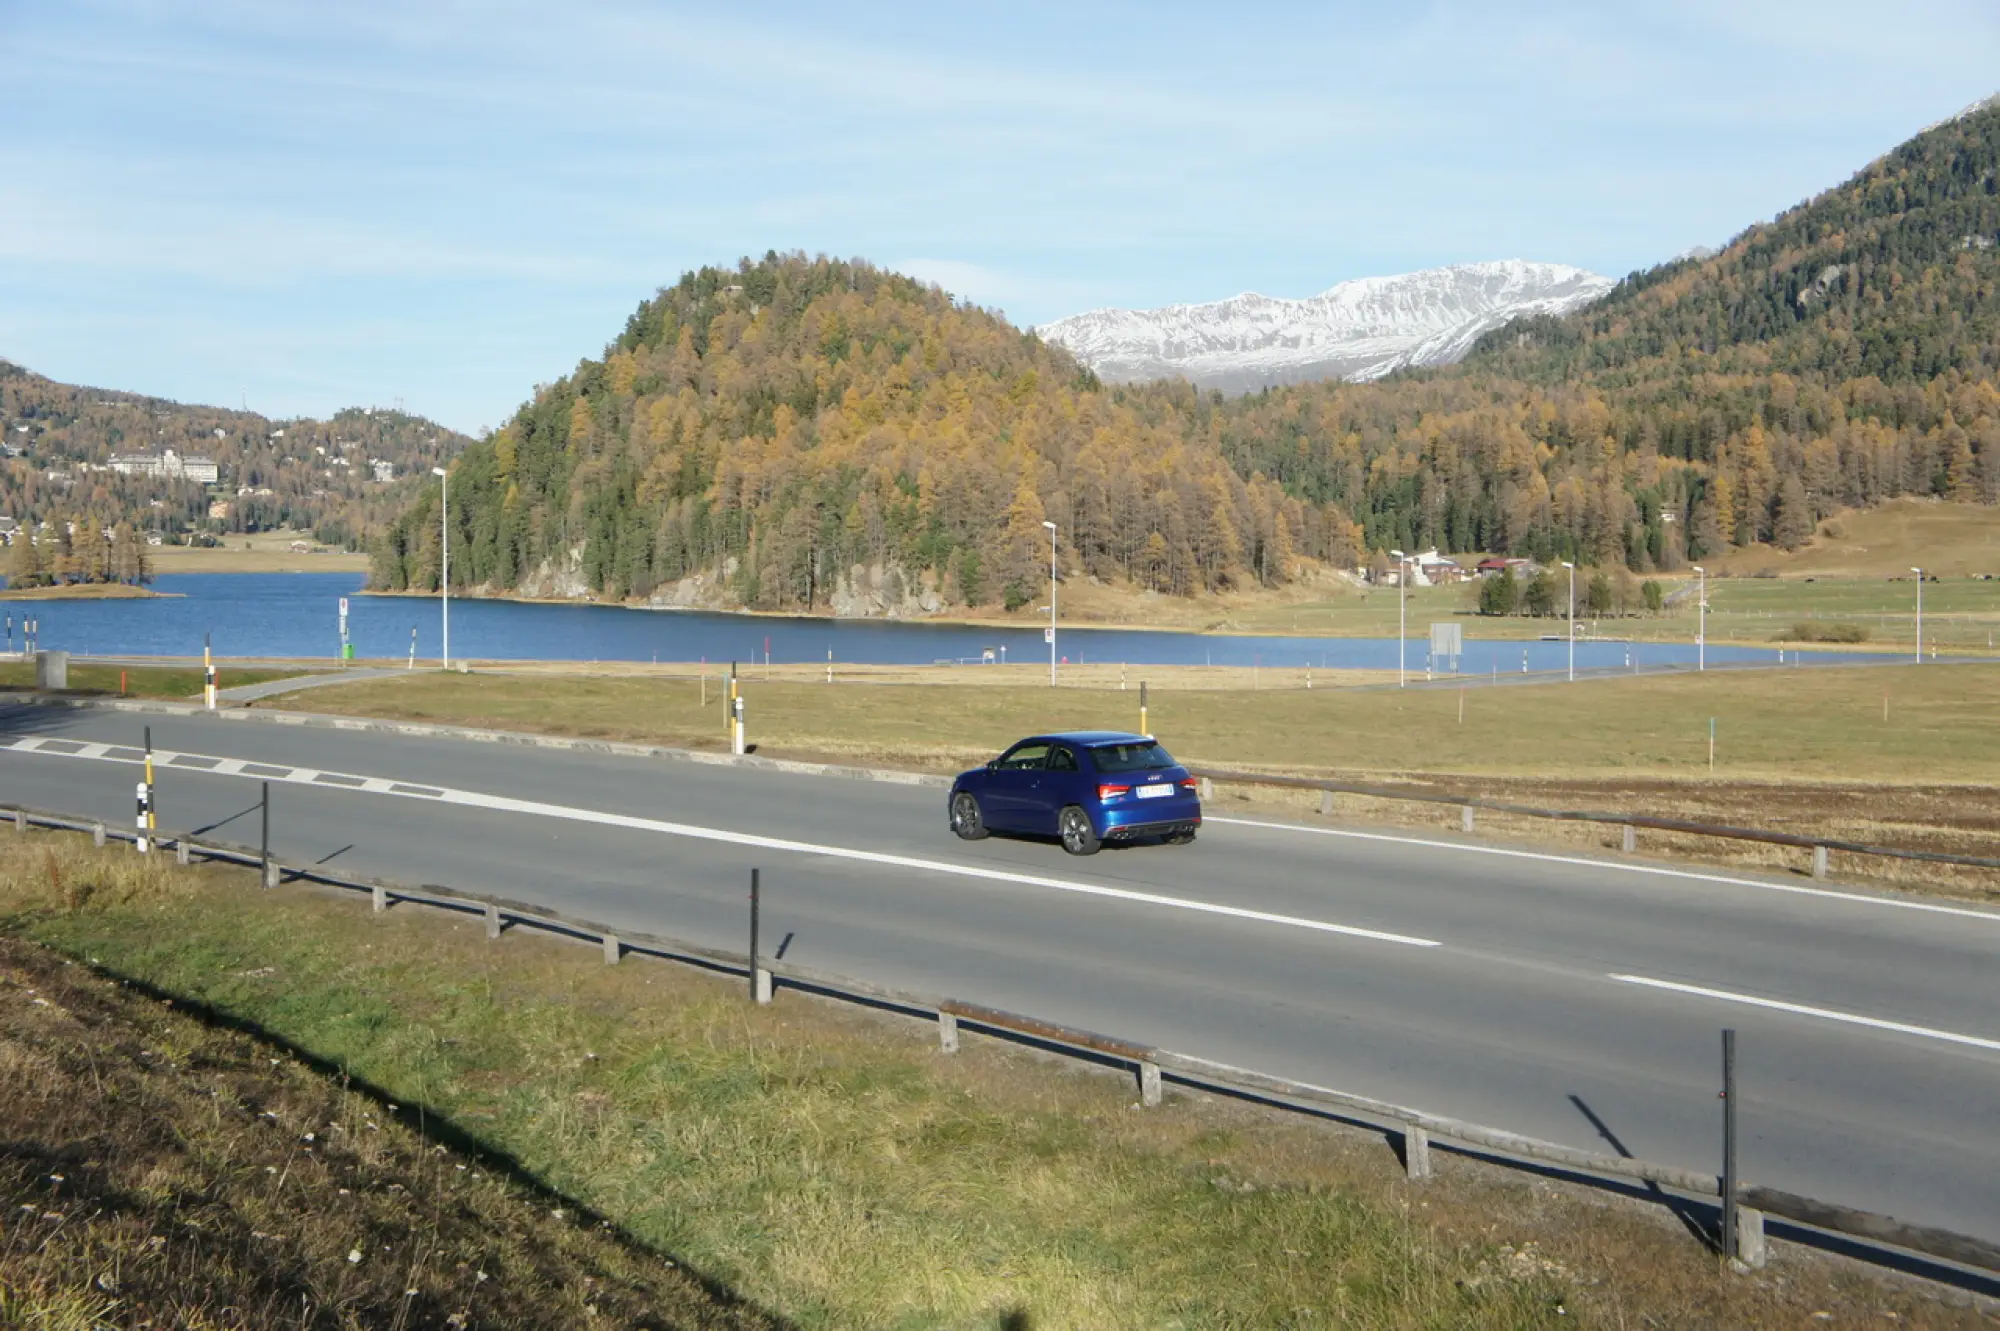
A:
(1138, 756)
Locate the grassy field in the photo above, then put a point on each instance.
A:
(82, 591)
(1819, 723)
(816, 1161)
(1893, 755)
(256, 552)
(166, 682)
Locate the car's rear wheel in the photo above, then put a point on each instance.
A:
(1180, 838)
(966, 820)
(1078, 836)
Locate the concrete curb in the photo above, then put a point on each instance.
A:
(424, 730)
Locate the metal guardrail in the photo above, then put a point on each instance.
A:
(1819, 845)
(1416, 1127)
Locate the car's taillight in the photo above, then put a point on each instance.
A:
(1106, 792)
(1191, 785)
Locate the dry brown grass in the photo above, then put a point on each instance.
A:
(826, 1160)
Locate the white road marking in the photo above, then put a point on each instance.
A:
(505, 804)
(1825, 1014)
(1966, 912)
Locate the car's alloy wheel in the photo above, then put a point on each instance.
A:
(965, 817)
(1078, 836)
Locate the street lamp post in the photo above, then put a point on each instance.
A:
(1572, 619)
(1701, 620)
(1052, 602)
(1920, 614)
(444, 570)
(1402, 609)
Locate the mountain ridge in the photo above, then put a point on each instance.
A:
(1356, 330)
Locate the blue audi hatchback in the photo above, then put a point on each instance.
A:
(1087, 787)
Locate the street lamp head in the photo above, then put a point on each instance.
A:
(1699, 569)
(1916, 570)
(1050, 525)
(437, 471)
(1567, 564)
(1399, 554)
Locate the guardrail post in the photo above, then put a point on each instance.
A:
(947, 1033)
(1149, 1084)
(1729, 1214)
(1819, 861)
(1416, 1152)
(265, 851)
(183, 856)
(378, 898)
(1465, 819)
(1207, 789)
(758, 994)
(20, 820)
(272, 872)
(492, 921)
(97, 835)
(611, 950)
(1631, 839)
(1326, 803)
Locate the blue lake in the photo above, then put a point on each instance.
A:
(297, 615)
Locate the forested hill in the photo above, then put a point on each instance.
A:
(1841, 355)
(1890, 275)
(756, 435)
(806, 433)
(299, 473)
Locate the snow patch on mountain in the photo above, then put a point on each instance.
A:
(1357, 330)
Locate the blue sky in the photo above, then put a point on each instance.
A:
(314, 205)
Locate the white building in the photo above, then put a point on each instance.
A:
(385, 471)
(169, 464)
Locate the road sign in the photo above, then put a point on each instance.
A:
(1048, 635)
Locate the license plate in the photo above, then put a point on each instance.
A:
(1155, 792)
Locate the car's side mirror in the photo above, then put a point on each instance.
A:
(992, 764)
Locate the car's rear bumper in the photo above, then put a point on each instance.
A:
(1128, 824)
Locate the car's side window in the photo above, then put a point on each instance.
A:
(1024, 757)
(1061, 760)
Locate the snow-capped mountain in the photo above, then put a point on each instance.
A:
(1358, 330)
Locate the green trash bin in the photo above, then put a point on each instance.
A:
(347, 651)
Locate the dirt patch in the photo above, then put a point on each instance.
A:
(159, 1171)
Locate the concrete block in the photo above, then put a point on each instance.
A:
(1326, 803)
(182, 855)
(1819, 861)
(1149, 1085)
(612, 952)
(492, 921)
(1465, 820)
(1631, 839)
(379, 899)
(20, 820)
(272, 873)
(97, 835)
(763, 986)
(1416, 1152)
(1207, 789)
(1751, 1250)
(51, 670)
(947, 1033)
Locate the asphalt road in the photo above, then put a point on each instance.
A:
(1561, 997)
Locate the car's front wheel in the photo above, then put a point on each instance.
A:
(1078, 836)
(966, 819)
